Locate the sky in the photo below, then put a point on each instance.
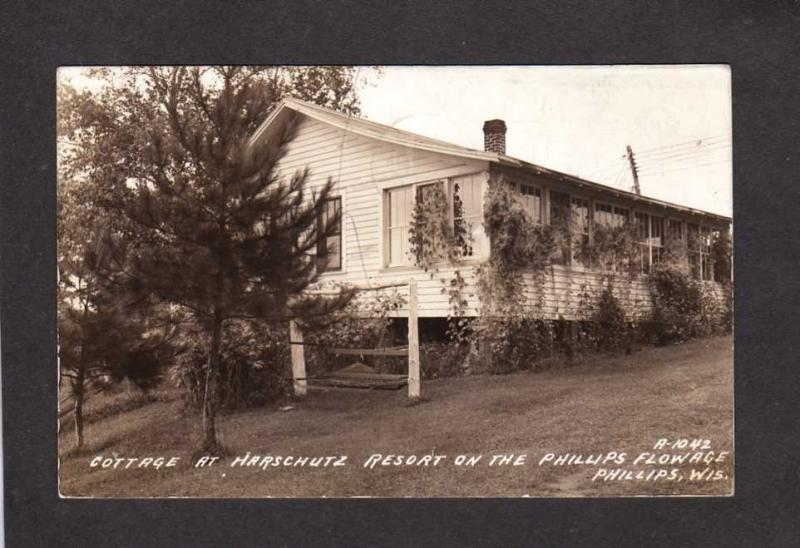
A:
(574, 119)
(579, 120)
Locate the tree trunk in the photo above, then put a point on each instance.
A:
(78, 391)
(210, 443)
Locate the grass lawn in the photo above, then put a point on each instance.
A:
(603, 404)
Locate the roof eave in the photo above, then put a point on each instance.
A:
(539, 170)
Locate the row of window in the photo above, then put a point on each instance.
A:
(651, 231)
(464, 196)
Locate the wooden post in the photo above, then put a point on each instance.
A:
(298, 359)
(413, 341)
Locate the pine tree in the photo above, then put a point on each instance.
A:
(102, 339)
(212, 227)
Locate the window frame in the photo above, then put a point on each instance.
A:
(476, 247)
(575, 262)
(706, 262)
(322, 247)
(385, 216)
(518, 186)
(387, 229)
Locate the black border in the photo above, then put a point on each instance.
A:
(758, 39)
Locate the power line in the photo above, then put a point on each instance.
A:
(684, 161)
(686, 148)
(694, 142)
(700, 155)
(696, 150)
(696, 166)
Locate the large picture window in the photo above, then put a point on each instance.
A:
(329, 249)
(465, 213)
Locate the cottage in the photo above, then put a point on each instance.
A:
(379, 172)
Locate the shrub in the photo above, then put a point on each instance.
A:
(609, 329)
(253, 365)
(684, 307)
(513, 343)
(443, 359)
(363, 323)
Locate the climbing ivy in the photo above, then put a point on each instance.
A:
(522, 250)
(519, 245)
(433, 238)
(611, 248)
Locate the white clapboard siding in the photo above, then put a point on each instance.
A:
(361, 167)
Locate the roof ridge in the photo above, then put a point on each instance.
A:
(380, 124)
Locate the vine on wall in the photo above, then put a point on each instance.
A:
(611, 248)
(522, 250)
(519, 245)
(434, 237)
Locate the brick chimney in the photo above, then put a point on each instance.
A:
(494, 136)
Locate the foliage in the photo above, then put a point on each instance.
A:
(207, 224)
(103, 338)
(684, 307)
(364, 323)
(512, 343)
(253, 365)
(676, 252)
(443, 359)
(518, 245)
(721, 254)
(609, 327)
(612, 248)
(432, 236)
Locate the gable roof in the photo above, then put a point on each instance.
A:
(374, 130)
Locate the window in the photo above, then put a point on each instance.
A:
(675, 231)
(560, 216)
(642, 223)
(621, 216)
(468, 215)
(701, 264)
(603, 214)
(398, 209)
(657, 253)
(722, 268)
(465, 212)
(693, 234)
(329, 249)
(580, 225)
(531, 198)
(650, 240)
(707, 265)
(610, 216)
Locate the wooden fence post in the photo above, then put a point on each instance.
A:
(413, 341)
(298, 359)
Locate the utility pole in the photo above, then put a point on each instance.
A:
(635, 173)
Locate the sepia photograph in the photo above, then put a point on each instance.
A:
(395, 281)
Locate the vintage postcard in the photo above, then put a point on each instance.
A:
(335, 281)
